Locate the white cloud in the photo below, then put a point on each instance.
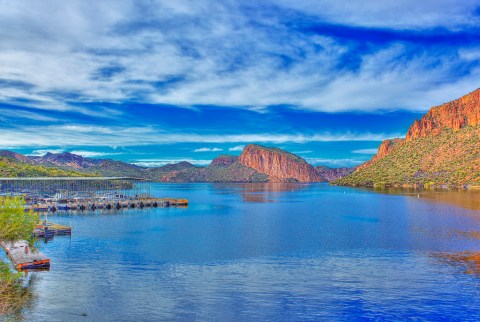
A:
(237, 148)
(334, 162)
(161, 162)
(365, 151)
(208, 150)
(92, 154)
(39, 153)
(302, 152)
(26, 115)
(60, 49)
(80, 135)
(404, 14)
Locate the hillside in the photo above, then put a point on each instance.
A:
(217, 171)
(332, 174)
(442, 148)
(10, 167)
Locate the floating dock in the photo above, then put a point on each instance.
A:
(48, 230)
(98, 203)
(23, 257)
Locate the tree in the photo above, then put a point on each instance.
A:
(15, 224)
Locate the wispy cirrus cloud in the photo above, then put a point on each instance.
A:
(42, 152)
(56, 55)
(207, 150)
(87, 74)
(236, 148)
(405, 14)
(93, 154)
(79, 135)
(332, 162)
(365, 151)
(151, 163)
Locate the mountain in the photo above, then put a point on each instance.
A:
(224, 168)
(65, 159)
(224, 160)
(12, 167)
(332, 174)
(454, 115)
(255, 164)
(278, 164)
(16, 156)
(442, 148)
(384, 149)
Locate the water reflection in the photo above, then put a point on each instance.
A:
(308, 252)
(469, 199)
(260, 192)
(468, 261)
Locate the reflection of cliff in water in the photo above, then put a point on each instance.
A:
(469, 199)
(468, 261)
(259, 192)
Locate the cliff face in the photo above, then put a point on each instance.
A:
(452, 115)
(278, 164)
(442, 148)
(385, 148)
(332, 174)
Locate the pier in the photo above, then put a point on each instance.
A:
(23, 257)
(52, 194)
(102, 204)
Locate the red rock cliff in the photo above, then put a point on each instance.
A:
(385, 148)
(278, 164)
(453, 115)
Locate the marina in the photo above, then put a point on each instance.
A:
(77, 194)
(51, 194)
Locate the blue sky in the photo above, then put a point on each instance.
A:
(153, 82)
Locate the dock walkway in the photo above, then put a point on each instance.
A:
(96, 203)
(23, 257)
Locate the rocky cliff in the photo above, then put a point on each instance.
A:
(278, 164)
(332, 174)
(385, 148)
(442, 148)
(452, 115)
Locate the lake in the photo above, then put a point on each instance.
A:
(290, 252)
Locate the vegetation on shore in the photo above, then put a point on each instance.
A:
(13, 168)
(15, 224)
(450, 158)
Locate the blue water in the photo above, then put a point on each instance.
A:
(243, 252)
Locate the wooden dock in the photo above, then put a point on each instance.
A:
(23, 257)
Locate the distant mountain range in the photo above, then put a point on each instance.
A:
(255, 164)
(442, 148)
